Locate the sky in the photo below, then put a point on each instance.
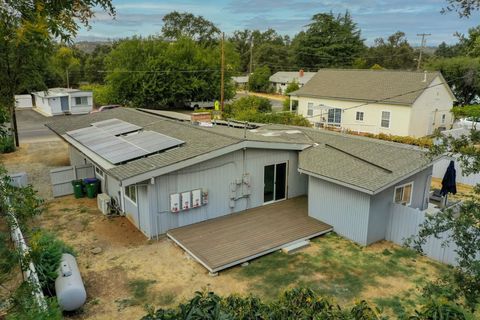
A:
(375, 18)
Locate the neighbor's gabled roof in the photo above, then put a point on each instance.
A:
(360, 163)
(290, 76)
(387, 86)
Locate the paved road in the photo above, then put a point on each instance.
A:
(31, 127)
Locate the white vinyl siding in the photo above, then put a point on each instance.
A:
(385, 123)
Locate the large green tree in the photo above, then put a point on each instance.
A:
(266, 48)
(177, 25)
(26, 30)
(152, 73)
(463, 76)
(329, 41)
(392, 53)
(259, 79)
(95, 64)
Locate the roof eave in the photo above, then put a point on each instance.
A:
(296, 94)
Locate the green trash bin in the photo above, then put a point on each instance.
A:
(91, 190)
(78, 189)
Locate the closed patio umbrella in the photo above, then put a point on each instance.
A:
(449, 181)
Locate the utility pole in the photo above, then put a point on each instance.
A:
(222, 80)
(251, 54)
(422, 46)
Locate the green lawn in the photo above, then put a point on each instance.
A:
(384, 274)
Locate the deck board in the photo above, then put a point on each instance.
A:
(223, 242)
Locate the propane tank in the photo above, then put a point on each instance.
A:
(69, 287)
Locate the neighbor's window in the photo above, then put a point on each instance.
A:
(385, 119)
(335, 116)
(444, 117)
(310, 109)
(359, 116)
(403, 194)
(131, 193)
(81, 100)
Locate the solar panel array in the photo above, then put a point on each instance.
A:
(116, 126)
(101, 138)
(152, 141)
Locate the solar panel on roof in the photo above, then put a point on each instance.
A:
(116, 127)
(113, 149)
(103, 139)
(152, 141)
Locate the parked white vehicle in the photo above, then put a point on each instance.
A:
(195, 105)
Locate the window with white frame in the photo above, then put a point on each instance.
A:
(310, 109)
(444, 117)
(359, 116)
(403, 194)
(81, 100)
(385, 119)
(131, 193)
(335, 116)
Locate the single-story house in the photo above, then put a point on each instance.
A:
(167, 175)
(281, 79)
(241, 82)
(57, 101)
(403, 103)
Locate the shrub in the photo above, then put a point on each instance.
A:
(259, 80)
(25, 308)
(247, 105)
(46, 253)
(7, 144)
(102, 94)
(292, 86)
(423, 142)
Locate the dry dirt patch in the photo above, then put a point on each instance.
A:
(37, 159)
(127, 259)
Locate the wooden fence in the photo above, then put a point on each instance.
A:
(404, 223)
(62, 178)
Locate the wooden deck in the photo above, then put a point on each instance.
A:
(236, 238)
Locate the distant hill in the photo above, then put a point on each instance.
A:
(89, 46)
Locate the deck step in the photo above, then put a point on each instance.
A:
(294, 247)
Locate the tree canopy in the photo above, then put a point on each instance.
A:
(150, 72)
(329, 41)
(392, 53)
(178, 25)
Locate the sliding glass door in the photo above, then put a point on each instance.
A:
(275, 182)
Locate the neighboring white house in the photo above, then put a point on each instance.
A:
(241, 82)
(58, 101)
(400, 103)
(23, 101)
(282, 79)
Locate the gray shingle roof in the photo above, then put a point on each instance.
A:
(368, 85)
(361, 162)
(289, 76)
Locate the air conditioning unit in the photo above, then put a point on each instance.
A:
(103, 201)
